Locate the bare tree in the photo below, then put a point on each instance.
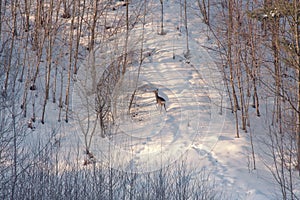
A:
(231, 65)
(27, 5)
(204, 8)
(1, 6)
(187, 54)
(79, 25)
(162, 32)
(141, 57)
(93, 26)
(13, 33)
(70, 64)
(125, 54)
(66, 6)
(296, 32)
(50, 33)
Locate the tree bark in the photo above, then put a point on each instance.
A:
(297, 42)
(125, 54)
(49, 33)
(186, 30)
(162, 18)
(231, 66)
(13, 34)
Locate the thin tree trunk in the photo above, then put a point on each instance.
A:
(38, 41)
(186, 29)
(56, 61)
(54, 85)
(253, 38)
(33, 108)
(78, 35)
(229, 57)
(66, 13)
(204, 9)
(141, 58)
(275, 46)
(49, 33)
(242, 99)
(91, 48)
(126, 40)
(27, 15)
(60, 103)
(25, 59)
(93, 28)
(237, 23)
(162, 18)
(67, 103)
(0, 20)
(15, 150)
(255, 95)
(24, 99)
(297, 41)
(13, 34)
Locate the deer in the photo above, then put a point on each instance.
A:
(159, 100)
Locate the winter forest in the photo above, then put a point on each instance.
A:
(150, 99)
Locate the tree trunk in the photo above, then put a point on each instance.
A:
(93, 28)
(125, 54)
(0, 20)
(60, 103)
(49, 33)
(297, 42)
(27, 15)
(78, 35)
(13, 34)
(67, 103)
(162, 18)
(38, 41)
(231, 66)
(275, 48)
(204, 9)
(186, 30)
(141, 58)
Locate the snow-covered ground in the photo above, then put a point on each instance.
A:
(196, 124)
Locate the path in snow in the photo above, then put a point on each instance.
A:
(150, 139)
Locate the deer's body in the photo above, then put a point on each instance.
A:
(159, 100)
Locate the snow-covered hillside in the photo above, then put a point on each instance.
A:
(197, 128)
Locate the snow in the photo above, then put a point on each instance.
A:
(196, 125)
(193, 124)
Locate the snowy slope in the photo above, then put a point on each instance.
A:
(193, 125)
(196, 125)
